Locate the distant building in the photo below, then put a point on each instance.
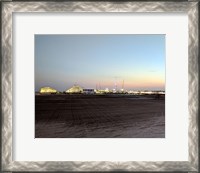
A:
(146, 92)
(88, 91)
(103, 91)
(75, 89)
(161, 92)
(47, 90)
(107, 90)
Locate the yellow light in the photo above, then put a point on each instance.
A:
(47, 90)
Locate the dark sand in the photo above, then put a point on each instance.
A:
(99, 116)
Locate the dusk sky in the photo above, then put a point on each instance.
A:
(100, 61)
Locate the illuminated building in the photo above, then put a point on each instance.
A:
(47, 90)
(75, 89)
(88, 91)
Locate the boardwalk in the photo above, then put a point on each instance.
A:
(99, 116)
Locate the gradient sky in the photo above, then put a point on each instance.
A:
(101, 61)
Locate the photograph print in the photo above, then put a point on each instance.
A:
(99, 86)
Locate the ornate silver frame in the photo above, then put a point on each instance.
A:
(8, 7)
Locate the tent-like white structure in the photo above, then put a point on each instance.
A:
(47, 90)
(75, 89)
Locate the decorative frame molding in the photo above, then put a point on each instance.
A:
(7, 8)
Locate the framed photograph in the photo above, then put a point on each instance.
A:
(129, 102)
(100, 86)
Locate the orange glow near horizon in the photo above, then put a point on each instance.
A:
(144, 82)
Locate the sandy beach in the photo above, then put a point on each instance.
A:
(99, 116)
